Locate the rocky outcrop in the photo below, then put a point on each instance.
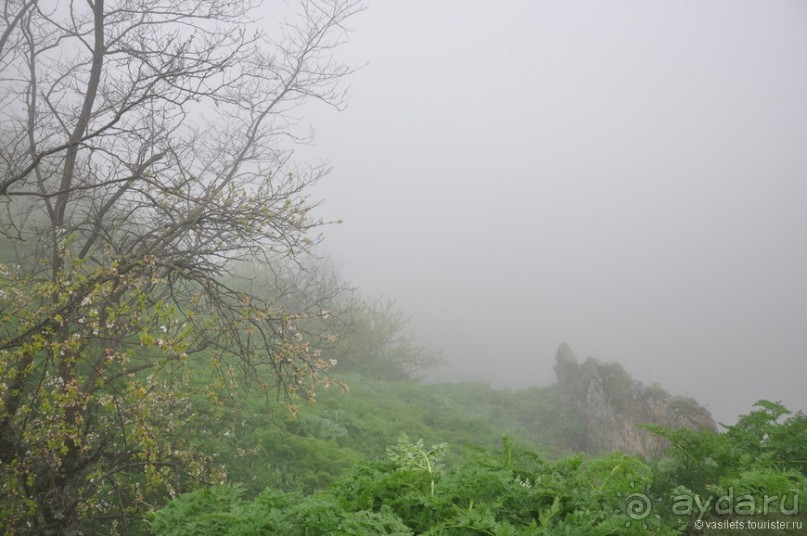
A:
(612, 405)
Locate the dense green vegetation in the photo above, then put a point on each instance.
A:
(262, 446)
(399, 456)
(468, 486)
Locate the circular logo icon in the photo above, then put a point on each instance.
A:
(638, 506)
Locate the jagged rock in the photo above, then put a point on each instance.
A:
(612, 404)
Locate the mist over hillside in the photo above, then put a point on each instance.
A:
(628, 178)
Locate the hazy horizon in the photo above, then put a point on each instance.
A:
(629, 178)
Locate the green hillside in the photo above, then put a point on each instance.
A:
(402, 457)
(261, 445)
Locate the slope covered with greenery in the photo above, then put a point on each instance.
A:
(392, 455)
(753, 473)
(261, 445)
(379, 452)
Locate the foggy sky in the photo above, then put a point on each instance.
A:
(626, 177)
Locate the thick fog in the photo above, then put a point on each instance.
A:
(626, 177)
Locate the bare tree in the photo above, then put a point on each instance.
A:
(376, 339)
(146, 148)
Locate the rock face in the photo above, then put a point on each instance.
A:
(612, 404)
